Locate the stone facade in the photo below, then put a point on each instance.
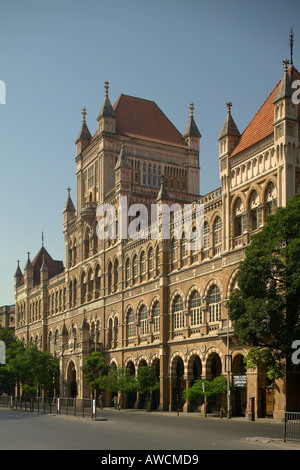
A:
(154, 301)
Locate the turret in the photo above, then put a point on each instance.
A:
(28, 273)
(107, 115)
(84, 137)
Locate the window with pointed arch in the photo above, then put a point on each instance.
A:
(131, 329)
(214, 304)
(151, 262)
(195, 309)
(143, 265)
(271, 199)
(206, 233)
(135, 269)
(156, 317)
(144, 325)
(218, 235)
(178, 313)
(184, 250)
(127, 272)
(174, 252)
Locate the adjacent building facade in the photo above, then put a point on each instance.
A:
(152, 300)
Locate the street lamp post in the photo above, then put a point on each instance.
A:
(228, 364)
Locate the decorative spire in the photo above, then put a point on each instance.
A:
(191, 128)
(285, 65)
(84, 133)
(229, 106)
(42, 239)
(18, 271)
(106, 109)
(192, 109)
(83, 112)
(229, 126)
(291, 44)
(106, 86)
(69, 206)
(28, 264)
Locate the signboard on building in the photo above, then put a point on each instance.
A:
(239, 380)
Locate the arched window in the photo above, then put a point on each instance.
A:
(184, 251)
(143, 264)
(144, 326)
(174, 247)
(135, 268)
(116, 275)
(206, 232)
(178, 313)
(240, 218)
(156, 319)
(195, 309)
(271, 199)
(97, 282)
(131, 330)
(214, 304)
(255, 211)
(127, 272)
(218, 235)
(109, 277)
(151, 262)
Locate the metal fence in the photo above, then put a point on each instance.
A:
(291, 426)
(84, 407)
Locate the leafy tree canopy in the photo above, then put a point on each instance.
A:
(265, 309)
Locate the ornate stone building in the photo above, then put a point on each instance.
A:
(154, 301)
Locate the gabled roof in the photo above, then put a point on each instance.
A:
(261, 125)
(138, 117)
(54, 267)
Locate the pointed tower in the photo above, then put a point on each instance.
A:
(84, 137)
(69, 209)
(18, 274)
(107, 116)
(192, 138)
(28, 273)
(191, 134)
(123, 172)
(228, 139)
(229, 135)
(286, 133)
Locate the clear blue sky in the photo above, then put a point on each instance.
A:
(55, 57)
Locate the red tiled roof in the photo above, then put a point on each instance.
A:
(137, 117)
(54, 267)
(261, 125)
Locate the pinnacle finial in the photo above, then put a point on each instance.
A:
(291, 44)
(69, 190)
(42, 238)
(192, 107)
(285, 64)
(229, 106)
(106, 86)
(83, 114)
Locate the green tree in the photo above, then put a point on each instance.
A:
(38, 369)
(265, 309)
(8, 380)
(95, 371)
(146, 382)
(205, 388)
(120, 380)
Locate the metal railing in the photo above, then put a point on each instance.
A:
(291, 426)
(84, 407)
